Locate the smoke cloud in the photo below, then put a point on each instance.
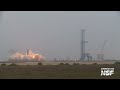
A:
(28, 56)
(12, 51)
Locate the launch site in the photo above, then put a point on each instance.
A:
(59, 45)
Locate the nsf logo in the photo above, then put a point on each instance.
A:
(107, 71)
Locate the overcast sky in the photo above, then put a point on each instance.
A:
(56, 34)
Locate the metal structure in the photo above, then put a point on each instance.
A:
(27, 52)
(83, 53)
(100, 56)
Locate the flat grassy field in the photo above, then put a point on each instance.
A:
(58, 71)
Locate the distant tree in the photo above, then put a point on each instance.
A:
(3, 64)
(94, 63)
(75, 63)
(67, 64)
(40, 63)
(61, 64)
(64, 64)
(13, 64)
(117, 63)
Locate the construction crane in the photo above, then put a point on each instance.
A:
(103, 46)
(100, 56)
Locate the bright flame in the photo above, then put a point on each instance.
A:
(28, 56)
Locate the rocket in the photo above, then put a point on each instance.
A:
(27, 52)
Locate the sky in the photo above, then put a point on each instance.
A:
(57, 34)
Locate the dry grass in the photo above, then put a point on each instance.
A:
(57, 71)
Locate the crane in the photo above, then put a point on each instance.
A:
(100, 56)
(103, 46)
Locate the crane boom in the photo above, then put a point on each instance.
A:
(103, 46)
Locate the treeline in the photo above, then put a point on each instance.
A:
(40, 63)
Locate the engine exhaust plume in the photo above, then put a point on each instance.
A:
(28, 56)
